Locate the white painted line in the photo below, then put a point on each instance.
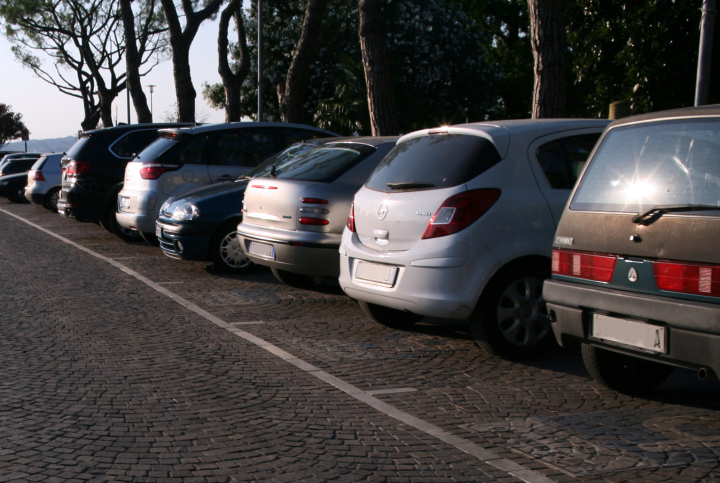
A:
(391, 391)
(166, 283)
(248, 323)
(462, 444)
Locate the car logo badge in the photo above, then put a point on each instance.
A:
(632, 275)
(382, 211)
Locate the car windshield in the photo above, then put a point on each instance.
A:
(322, 164)
(282, 157)
(432, 162)
(659, 164)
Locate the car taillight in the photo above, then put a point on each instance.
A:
(37, 176)
(590, 266)
(154, 170)
(308, 220)
(264, 187)
(460, 211)
(688, 278)
(75, 168)
(314, 201)
(351, 218)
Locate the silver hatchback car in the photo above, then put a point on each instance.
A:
(295, 211)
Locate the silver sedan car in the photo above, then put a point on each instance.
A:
(295, 212)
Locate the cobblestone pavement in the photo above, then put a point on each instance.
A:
(120, 364)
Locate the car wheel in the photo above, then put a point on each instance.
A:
(622, 372)
(125, 234)
(397, 319)
(17, 194)
(51, 199)
(510, 319)
(225, 251)
(297, 280)
(150, 238)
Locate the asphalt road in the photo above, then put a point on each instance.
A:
(119, 364)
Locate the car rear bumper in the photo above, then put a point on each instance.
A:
(692, 328)
(140, 222)
(141, 212)
(308, 253)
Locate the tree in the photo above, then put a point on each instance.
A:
(547, 37)
(291, 93)
(11, 125)
(232, 79)
(180, 41)
(376, 64)
(141, 47)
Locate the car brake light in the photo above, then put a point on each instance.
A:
(590, 266)
(75, 168)
(37, 176)
(308, 220)
(264, 187)
(460, 211)
(351, 218)
(314, 201)
(154, 170)
(688, 278)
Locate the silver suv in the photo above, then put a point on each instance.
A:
(186, 158)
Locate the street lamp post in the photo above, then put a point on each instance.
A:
(151, 103)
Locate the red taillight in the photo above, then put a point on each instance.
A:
(154, 170)
(37, 176)
(314, 201)
(590, 266)
(75, 168)
(264, 187)
(307, 220)
(687, 278)
(351, 218)
(459, 211)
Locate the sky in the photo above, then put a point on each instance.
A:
(48, 113)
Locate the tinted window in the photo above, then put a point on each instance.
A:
(18, 166)
(153, 150)
(640, 166)
(75, 148)
(436, 161)
(243, 147)
(133, 142)
(320, 164)
(562, 160)
(189, 150)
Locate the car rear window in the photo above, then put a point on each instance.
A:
(323, 164)
(153, 150)
(133, 142)
(433, 162)
(640, 166)
(75, 148)
(18, 166)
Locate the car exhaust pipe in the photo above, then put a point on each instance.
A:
(705, 374)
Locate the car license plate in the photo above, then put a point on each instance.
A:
(376, 273)
(262, 250)
(630, 332)
(158, 231)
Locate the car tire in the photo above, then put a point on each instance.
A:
(510, 319)
(225, 251)
(623, 373)
(51, 199)
(297, 280)
(126, 234)
(150, 238)
(17, 194)
(389, 317)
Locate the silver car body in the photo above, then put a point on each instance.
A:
(272, 232)
(387, 262)
(219, 152)
(38, 187)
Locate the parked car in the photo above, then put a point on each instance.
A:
(93, 169)
(43, 181)
(186, 158)
(457, 222)
(13, 178)
(294, 213)
(12, 156)
(201, 224)
(635, 267)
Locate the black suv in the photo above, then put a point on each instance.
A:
(93, 170)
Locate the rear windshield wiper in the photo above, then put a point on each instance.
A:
(654, 213)
(404, 185)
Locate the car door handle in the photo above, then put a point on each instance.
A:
(225, 177)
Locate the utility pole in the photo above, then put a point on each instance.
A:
(705, 53)
(259, 61)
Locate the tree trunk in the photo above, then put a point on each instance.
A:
(547, 37)
(381, 102)
(132, 64)
(232, 81)
(292, 94)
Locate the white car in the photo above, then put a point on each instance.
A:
(43, 181)
(186, 158)
(458, 222)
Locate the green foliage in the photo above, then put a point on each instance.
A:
(11, 125)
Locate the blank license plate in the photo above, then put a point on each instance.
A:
(630, 332)
(375, 272)
(262, 250)
(158, 231)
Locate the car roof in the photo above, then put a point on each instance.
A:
(369, 140)
(710, 110)
(499, 132)
(132, 127)
(238, 125)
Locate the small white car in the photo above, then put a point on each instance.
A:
(458, 222)
(43, 181)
